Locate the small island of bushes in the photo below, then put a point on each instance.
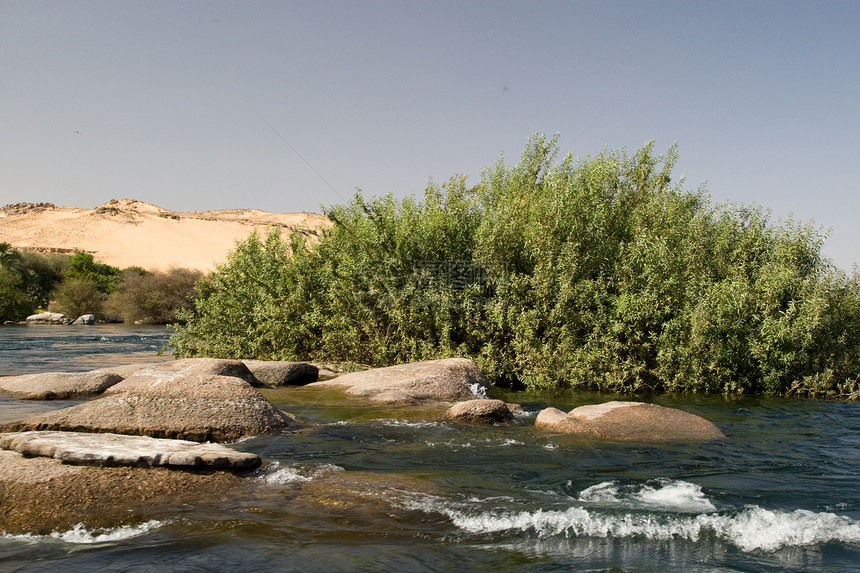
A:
(600, 274)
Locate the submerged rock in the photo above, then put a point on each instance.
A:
(79, 448)
(480, 411)
(446, 380)
(170, 405)
(274, 374)
(58, 385)
(629, 421)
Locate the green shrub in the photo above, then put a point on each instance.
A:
(76, 297)
(152, 297)
(598, 274)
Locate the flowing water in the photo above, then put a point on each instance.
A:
(394, 489)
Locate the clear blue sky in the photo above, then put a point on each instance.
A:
(172, 102)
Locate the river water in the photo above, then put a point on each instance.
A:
(410, 493)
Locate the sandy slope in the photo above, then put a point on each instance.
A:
(128, 232)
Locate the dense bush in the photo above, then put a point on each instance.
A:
(26, 281)
(597, 274)
(76, 297)
(82, 266)
(152, 297)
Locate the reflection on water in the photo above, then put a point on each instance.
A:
(394, 488)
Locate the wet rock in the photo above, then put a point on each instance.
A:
(44, 495)
(272, 374)
(79, 448)
(447, 380)
(481, 411)
(629, 421)
(85, 319)
(58, 385)
(170, 405)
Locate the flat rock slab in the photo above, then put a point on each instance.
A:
(446, 380)
(88, 449)
(58, 385)
(173, 405)
(272, 374)
(481, 411)
(629, 421)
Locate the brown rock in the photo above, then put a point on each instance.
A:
(198, 408)
(58, 385)
(629, 421)
(43, 495)
(480, 411)
(277, 374)
(447, 380)
(184, 367)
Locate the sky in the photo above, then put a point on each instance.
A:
(290, 106)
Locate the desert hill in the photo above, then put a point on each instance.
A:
(127, 232)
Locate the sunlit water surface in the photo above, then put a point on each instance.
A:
(402, 491)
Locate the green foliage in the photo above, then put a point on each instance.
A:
(598, 274)
(152, 297)
(82, 266)
(76, 297)
(15, 304)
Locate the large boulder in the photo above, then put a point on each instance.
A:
(88, 449)
(58, 385)
(629, 421)
(85, 319)
(446, 380)
(173, 405)
(277, 374)
(480, 411)
(183, 367)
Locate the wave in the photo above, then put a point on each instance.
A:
(79, 534)
(664, 510)
(276, 473)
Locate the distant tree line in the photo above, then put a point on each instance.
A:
(600, 273)
(76, 284)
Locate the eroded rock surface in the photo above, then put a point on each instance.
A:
(629, 421)
(447, 380)
(188, 367)
(79, 448)
(58, 385)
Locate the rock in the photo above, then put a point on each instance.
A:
(44, 495)
(79, 448)
(276, 374)
(447, 380)
(186, 367)
(47, 318)
(170, 405)
(480, 411)
(58, 385)
(126, 370)
(85, 319)
(629, 421)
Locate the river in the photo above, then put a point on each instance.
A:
(781, 493)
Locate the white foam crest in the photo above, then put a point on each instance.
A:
(478, 390)
(756, 528)
(276, 473)
(79, 534)
(664, 495)
(750, 529)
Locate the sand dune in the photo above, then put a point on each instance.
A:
(127, 232)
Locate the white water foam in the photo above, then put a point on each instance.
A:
(276, 473)
(663, 495)
(477, 390)
(660, 513)
(79, 534)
